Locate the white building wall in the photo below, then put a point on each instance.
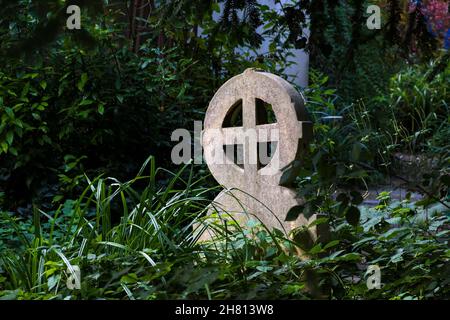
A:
(298, 71)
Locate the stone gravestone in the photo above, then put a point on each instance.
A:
(254, 190)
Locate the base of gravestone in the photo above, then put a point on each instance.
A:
(242, 207)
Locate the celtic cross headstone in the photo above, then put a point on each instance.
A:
(253, 189)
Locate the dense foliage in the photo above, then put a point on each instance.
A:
(153, 253)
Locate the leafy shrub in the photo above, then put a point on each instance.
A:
(102, 108)
(418, 104)
(342, 154)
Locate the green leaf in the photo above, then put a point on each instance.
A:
(316, 249)
(264, 268)
(398, 256)
(129, 278)
(31, 75)
(181, 93)
(57, 198)
(10, 137)
(391, 233)
(101, 108)
(10, 294)
(82, 82)
(9, 112)
(331, 244)
(335, 254)
(4, 147)
(25, 90)
(349, 257)
(13, 151)
(53, 281)
(216, 7)
(318, 221)
(86, 102)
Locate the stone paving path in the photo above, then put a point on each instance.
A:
(398, 191)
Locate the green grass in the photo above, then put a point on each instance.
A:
(138, 240)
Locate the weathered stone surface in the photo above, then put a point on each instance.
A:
(251, 191)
